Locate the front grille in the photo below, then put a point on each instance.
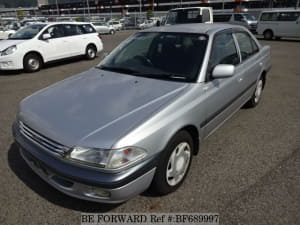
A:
(46, 143)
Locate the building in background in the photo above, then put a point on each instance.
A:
(42, 2)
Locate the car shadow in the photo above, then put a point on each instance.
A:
(50, 65)
(34, 182)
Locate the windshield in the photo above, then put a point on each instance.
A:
(184, 16)
(27, 32)
(171, 56)
(249, 17)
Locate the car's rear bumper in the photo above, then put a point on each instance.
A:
(82, 182)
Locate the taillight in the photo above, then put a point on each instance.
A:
(99, 36)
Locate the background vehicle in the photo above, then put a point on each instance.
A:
(189, 15)
(147, 24)
(104, 28)
(31, 47)
(139, 117)
(279, 23)
(5, 32)
(117, 25)
(243, 19)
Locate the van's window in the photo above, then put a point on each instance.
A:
(87, 28)
(71, 30)
(238, 17)
(288, 16)
(269, 17)
(184, 16)
(28, 32)
(205, 15)
(222, 18)
(223, 51)
(246, 45)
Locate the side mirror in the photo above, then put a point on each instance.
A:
(46, 36)
(223, 71)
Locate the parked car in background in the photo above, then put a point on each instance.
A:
(5, 32)
(104, 28)
(243, 19)
(138, 118)
(279, 23)
(147, 24)
(31, 47)
(116, 24)
(189, 15)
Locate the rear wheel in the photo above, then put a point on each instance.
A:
(91, 52)
(111, 32)
(268, 35)
(32, 62)
(174, 165)
(254, 100)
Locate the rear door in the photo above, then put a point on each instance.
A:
(251, 63)
(221, 94)
(73, 34)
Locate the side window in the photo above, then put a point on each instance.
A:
(238, 17)
(288, 16)
(223, 51)
(205, 15)
(269, 17)
(247, 45)
(87, 29)
(56, 31)
(71, 30)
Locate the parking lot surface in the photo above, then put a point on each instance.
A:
(248, 170)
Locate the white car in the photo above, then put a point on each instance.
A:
(6, 33)
(103, 28)
(147, 24)
(34, 45)
(116, 24)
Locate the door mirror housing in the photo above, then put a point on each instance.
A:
(223, 71)
(46, 36)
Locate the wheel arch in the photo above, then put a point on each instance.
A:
(34, 52)
(91, 44)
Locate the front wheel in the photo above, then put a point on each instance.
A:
(254, 100)
(268, 35)
(32, 62)
(91, 52)
(174, 165)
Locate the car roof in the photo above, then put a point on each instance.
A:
(281, 10)
(202, 28)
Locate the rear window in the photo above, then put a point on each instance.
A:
(87, 28)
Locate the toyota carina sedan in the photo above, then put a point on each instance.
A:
(136, 120)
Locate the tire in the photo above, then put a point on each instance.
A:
(174, 165)
(268, 35)
(254, 100)
(90, 52)
(111, 32)
(32, 62)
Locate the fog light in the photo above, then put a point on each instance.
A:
(97, 192)
(6, 64)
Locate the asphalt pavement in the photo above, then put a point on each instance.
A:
(248, 170)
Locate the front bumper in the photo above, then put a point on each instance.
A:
(11, 62)
(86, 183)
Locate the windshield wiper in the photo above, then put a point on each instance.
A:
(117, 69)
(163, 75)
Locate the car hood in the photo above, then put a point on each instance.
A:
(4, 44)
(96, 108)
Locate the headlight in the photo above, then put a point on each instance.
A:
(110, 159)
(9, 50)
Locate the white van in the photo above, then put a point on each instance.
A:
(243, 19)
(31, 47)
(189, 15)
(279, 23)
